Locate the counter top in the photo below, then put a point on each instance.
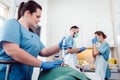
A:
(112, 71)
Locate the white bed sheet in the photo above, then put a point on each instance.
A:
(93, 76)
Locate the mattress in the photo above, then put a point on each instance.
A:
(62, 73)
(93, 76)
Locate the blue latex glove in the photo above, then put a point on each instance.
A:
(82, 49)
(65, 45)
(94, 40)
(50, 65)
(61, 43)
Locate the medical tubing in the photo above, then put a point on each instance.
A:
(63, 52)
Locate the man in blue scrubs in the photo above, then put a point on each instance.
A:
(69, 54)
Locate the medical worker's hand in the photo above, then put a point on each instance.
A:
(61, 44)
(94, 40)
(82, 49)
(50, 65)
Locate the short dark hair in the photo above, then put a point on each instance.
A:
(74, 27)
(29, 5)
(101, 33)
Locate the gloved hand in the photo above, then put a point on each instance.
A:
(94, 40)
(50, 65)
(82, 49)
(61, 44)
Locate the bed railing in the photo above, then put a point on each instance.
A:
(8, 64)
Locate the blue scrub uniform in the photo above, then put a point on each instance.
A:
(101, 59)
(12, 31)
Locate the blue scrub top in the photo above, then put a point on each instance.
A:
(69, 41)
(104, 49)
(14, 32)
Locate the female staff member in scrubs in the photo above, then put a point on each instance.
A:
(101, 51)
(18, 43)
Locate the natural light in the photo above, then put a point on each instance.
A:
(3, 9)
(3, 13)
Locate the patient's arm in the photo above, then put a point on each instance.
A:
(63, 64)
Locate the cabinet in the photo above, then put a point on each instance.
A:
(89, 17)
(115, 76)
(87, 33)
(56, 34)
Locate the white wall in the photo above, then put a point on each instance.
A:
(63, 14)
(78, 11)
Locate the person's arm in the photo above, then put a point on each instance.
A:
(75, 50)
(54, 49)
(95, 50)
(20, 55)
(50, 51)
(70, 50)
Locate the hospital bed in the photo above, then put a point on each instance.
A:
(67, 73)
(62, 73)
(57, 72)
(93, 76)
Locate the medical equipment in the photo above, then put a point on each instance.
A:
(65, 46)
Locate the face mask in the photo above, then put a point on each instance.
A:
(76, 35)
(98, 40)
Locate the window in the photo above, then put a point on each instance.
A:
(3, 13)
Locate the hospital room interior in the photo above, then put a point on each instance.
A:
(89, 15)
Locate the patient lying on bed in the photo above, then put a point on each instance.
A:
(62, 73)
